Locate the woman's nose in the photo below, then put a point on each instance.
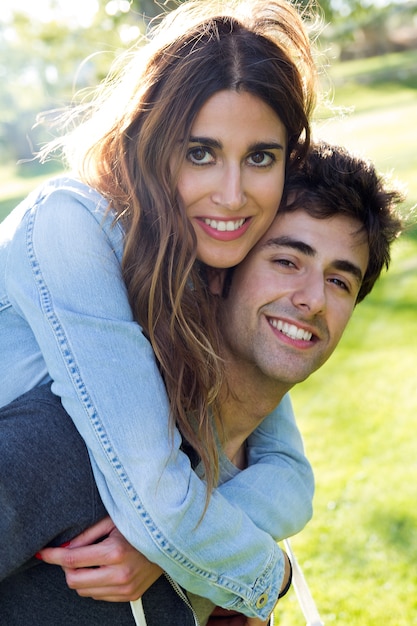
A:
(230, 193)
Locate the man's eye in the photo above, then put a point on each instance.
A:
(284, 262)
(261, 159)
(199, 156)
(340, 283)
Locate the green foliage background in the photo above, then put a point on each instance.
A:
(357, 413)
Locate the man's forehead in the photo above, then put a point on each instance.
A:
(283, 222)
(296, 221)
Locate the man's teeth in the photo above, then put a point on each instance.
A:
(222, 225)
(291, 330)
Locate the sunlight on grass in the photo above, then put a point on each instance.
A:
(357, 413)
(19, 180)
(374, 115)
(400, 67)
(383, 136)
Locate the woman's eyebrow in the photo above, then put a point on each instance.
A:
(206, 141)
(258, 146)
(265, 145)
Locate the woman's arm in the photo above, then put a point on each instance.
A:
(65, 279)
(99, 563)
(276, 489)
(120, 573)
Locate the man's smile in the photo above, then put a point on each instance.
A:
(290, 330)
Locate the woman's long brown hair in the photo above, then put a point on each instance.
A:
(130, 149)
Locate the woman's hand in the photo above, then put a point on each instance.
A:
(222, 617)
(109, 570)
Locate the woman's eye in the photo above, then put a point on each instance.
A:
(200, 156)
(261, 159)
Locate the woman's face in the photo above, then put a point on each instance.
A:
(232, 178)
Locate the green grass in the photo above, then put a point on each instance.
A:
(357, 414)
(357, 417)
(375, 104)
(18, 180)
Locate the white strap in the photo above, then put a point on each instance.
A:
(305, 599)
(138, 614)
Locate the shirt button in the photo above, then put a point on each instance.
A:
(262, 600)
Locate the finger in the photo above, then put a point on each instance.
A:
(109, 594)
(72, 558)
(94, 533)
(93, 578)
(104, 584)
(110, 598)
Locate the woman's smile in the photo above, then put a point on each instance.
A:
(232, 178)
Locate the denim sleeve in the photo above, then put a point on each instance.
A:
(64, 279)
(276, 459)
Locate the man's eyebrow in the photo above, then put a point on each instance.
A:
(347, 266)
(289, 242)
(258, 146)
(339, 264)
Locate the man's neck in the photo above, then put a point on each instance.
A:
(246, 400)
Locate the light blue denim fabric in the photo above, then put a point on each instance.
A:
(65, 317)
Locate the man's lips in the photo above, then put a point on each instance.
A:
(290, 330)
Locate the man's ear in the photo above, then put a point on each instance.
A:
(215, 277)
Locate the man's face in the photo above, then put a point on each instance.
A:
(292, 296)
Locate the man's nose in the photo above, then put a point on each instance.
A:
(311, 295)
(230, 193)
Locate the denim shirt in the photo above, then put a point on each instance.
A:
(65, 317)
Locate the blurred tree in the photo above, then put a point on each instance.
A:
(43, 63)
(357, 28)
(338, 10)
(151, 8)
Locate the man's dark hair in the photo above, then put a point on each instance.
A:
(332, 181)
